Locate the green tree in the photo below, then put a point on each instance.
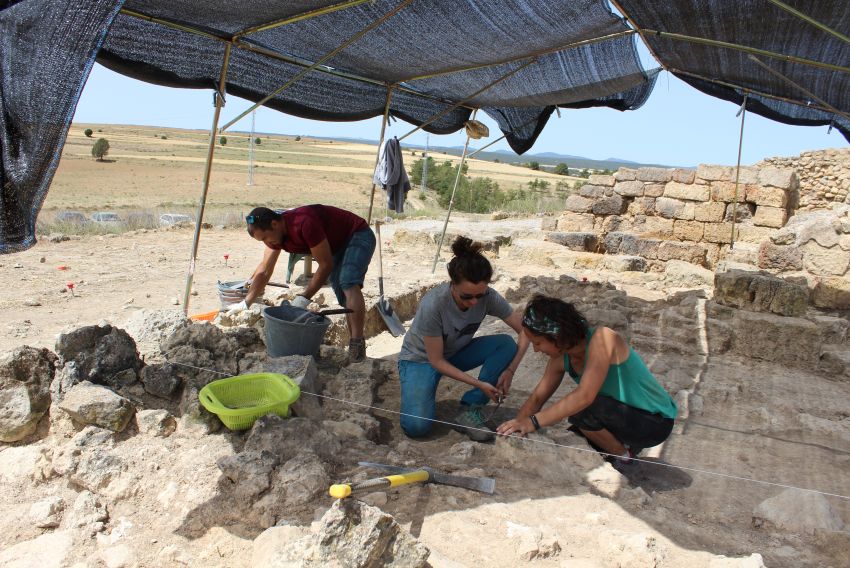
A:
(562, 169)
(100, 149)
(298, 139)
(257, 141)
(223, 140)
(534, 165)
(88, 132)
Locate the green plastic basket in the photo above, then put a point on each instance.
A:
(239, 401)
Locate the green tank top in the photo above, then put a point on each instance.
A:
(632, 383)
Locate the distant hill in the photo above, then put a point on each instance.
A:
(550, 159)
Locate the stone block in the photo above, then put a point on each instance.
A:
(601, 179)
(786, 340)
(783, 178)
(650, 226)
(718, 232)
(614, 223)
(822, 261)
(579, 204)
(648, 248)
(753, 234)
(624, 263)
(760, 292)
(688, 230)
(671, 250)
(766, 195)
(644, 206)
(653, 189)
(614, 205)
(779, 257)
(629, 188)
(674, 208)
(625, 174)
(657, 175)
(747, 175)
(575, 222)
(709, 212)
(26, 374)
(742, 212)
(682, 175)
(833, 329)
(713, 253)
(832, 293)
(687, 191)
(575, 241)
(714, 173)
(800, 512)
(769, 217)
(592, 191)
(725, 191)
(88, 403)
(620, 243)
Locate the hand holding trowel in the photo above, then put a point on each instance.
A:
(406, 476)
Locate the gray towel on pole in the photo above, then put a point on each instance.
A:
(390, 174)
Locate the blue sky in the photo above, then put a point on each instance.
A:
(678, 126)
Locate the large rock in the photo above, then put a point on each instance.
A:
(672, 250)
(89, 460)
(687, 191)
(760, 292)
(779, 257)
(783, 178)
(51, 550)
(160, 379)
(629, 188)
(614, 205)
(95, 405)
(792, 341)
(150, 327)
(832, 293)
(660, 175)
(25, 377)
(798, 511)
(822, 261)
(103, 355)
(579, 204)
(675, 208)
(575, 241)
(680, 273)
(356, 535)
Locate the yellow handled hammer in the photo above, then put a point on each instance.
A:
(405, 476)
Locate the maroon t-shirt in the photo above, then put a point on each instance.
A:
(309, 225)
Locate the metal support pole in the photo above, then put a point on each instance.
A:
(378, 153)
(738, 173)
(199, 216)
(452, 199)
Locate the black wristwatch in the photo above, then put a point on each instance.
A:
(535, 422)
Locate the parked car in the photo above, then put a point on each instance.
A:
(71, 217)
(169, 219)
(106, 218)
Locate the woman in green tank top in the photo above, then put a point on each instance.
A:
(617, 405)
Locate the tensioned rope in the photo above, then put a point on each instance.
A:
(553, 443)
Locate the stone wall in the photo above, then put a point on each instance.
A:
(665, 214)
(824, 176)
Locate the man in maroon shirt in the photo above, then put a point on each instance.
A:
(341, 243)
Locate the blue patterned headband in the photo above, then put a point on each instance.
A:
(539, 323)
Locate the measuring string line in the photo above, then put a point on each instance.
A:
(553, 443)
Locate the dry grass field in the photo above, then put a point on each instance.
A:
(158, 170)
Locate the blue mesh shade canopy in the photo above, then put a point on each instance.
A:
(515, 61)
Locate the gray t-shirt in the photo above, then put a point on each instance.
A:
(439, 316)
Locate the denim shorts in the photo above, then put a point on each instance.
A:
(351, 263)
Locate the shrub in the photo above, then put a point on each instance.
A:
(88, 132)
(223, 140)
(562, 169)
(298, 139)
(534, 165)
(100, 149)
(257, 141)
(164, 137)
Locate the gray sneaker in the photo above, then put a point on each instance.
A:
(470, 421)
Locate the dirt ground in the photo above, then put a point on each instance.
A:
(680, 517)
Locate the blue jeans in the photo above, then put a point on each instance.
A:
(351, 263)
(419, 380)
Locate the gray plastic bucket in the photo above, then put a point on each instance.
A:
(283, 337)
(230, 296)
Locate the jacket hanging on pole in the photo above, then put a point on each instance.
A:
(390, 174)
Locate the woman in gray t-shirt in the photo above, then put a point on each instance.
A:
(441, 343)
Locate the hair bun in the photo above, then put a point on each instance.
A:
(464, 246)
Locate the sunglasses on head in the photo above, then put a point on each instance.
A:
(251, 219)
